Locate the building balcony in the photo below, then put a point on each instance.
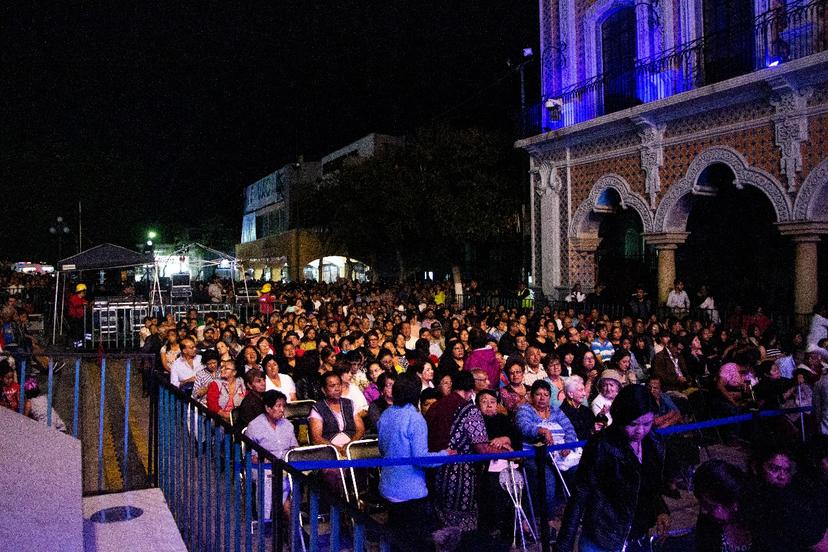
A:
(775, 37)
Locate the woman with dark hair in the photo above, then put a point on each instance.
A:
(786, 515)
(500, 429)
(620, 361)
(723, 492)
(541, 423)
(276, 381)
(422, 350)
(443, 385)
(225, 394)
(454, 422)
(248, 359)
(424, 371)
(643, 352)
(517, 392)
(308, 376)
(334, 420)
(453, 358)
(385, 383)
(618, 496)
(373, 371)
(403, 433)
(542, 340)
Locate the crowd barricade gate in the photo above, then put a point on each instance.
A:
(103, 401)
(208, 479)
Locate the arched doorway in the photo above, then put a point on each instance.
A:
(622, 261)
(733, 245)
(607, 227)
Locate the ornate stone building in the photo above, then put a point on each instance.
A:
(652, 108)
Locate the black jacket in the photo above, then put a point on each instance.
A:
(612, 486)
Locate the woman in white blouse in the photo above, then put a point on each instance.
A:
(275, 380)
(352, 390)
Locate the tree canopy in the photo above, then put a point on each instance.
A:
(429, 203)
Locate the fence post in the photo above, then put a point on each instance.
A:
(260, 493)
(248, 500)
(125, 461)
(22, 382)
(101, 414)
(208, 484)
(295, 525)
(228, 487)
(237, 494)
(50, 393)
(77, 398)
(314, 519)
(540, 463)
(277, 521)
(335, 535)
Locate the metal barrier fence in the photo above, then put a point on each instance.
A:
(97, 398)
(208, 475)
(118, 323)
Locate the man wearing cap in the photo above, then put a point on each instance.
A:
(437, 342)
(75, 315)
(266, 301)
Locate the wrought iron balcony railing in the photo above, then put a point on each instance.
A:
(783, 34)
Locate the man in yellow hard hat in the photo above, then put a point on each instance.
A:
(75, 315)
(266, 300)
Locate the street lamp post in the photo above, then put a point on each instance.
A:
(59, 228)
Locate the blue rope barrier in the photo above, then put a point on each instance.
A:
(463, 458)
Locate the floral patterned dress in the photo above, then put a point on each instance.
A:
(456, 500)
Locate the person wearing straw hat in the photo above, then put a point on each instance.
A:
(609, 385)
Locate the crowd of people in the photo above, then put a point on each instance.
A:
(431, 378)
(427, 376)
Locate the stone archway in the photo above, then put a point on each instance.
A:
(584, 224)
(725, 209)
(674, 208)
(610, 195)
(812, 201)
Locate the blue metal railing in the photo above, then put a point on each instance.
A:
(200, 456)
(103, 444)
(209, 483)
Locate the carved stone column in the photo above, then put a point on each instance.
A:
(549, 196)
(805, 236)
(666, 244)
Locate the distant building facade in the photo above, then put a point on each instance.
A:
(651, 109)
(275, 242)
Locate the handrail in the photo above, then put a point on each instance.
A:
(277, 465)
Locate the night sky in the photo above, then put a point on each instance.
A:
(158, 114)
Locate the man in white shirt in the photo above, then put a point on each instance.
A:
(183, 370)
(534, 370)
(576, 295)
(677, 299)
(819, 330)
